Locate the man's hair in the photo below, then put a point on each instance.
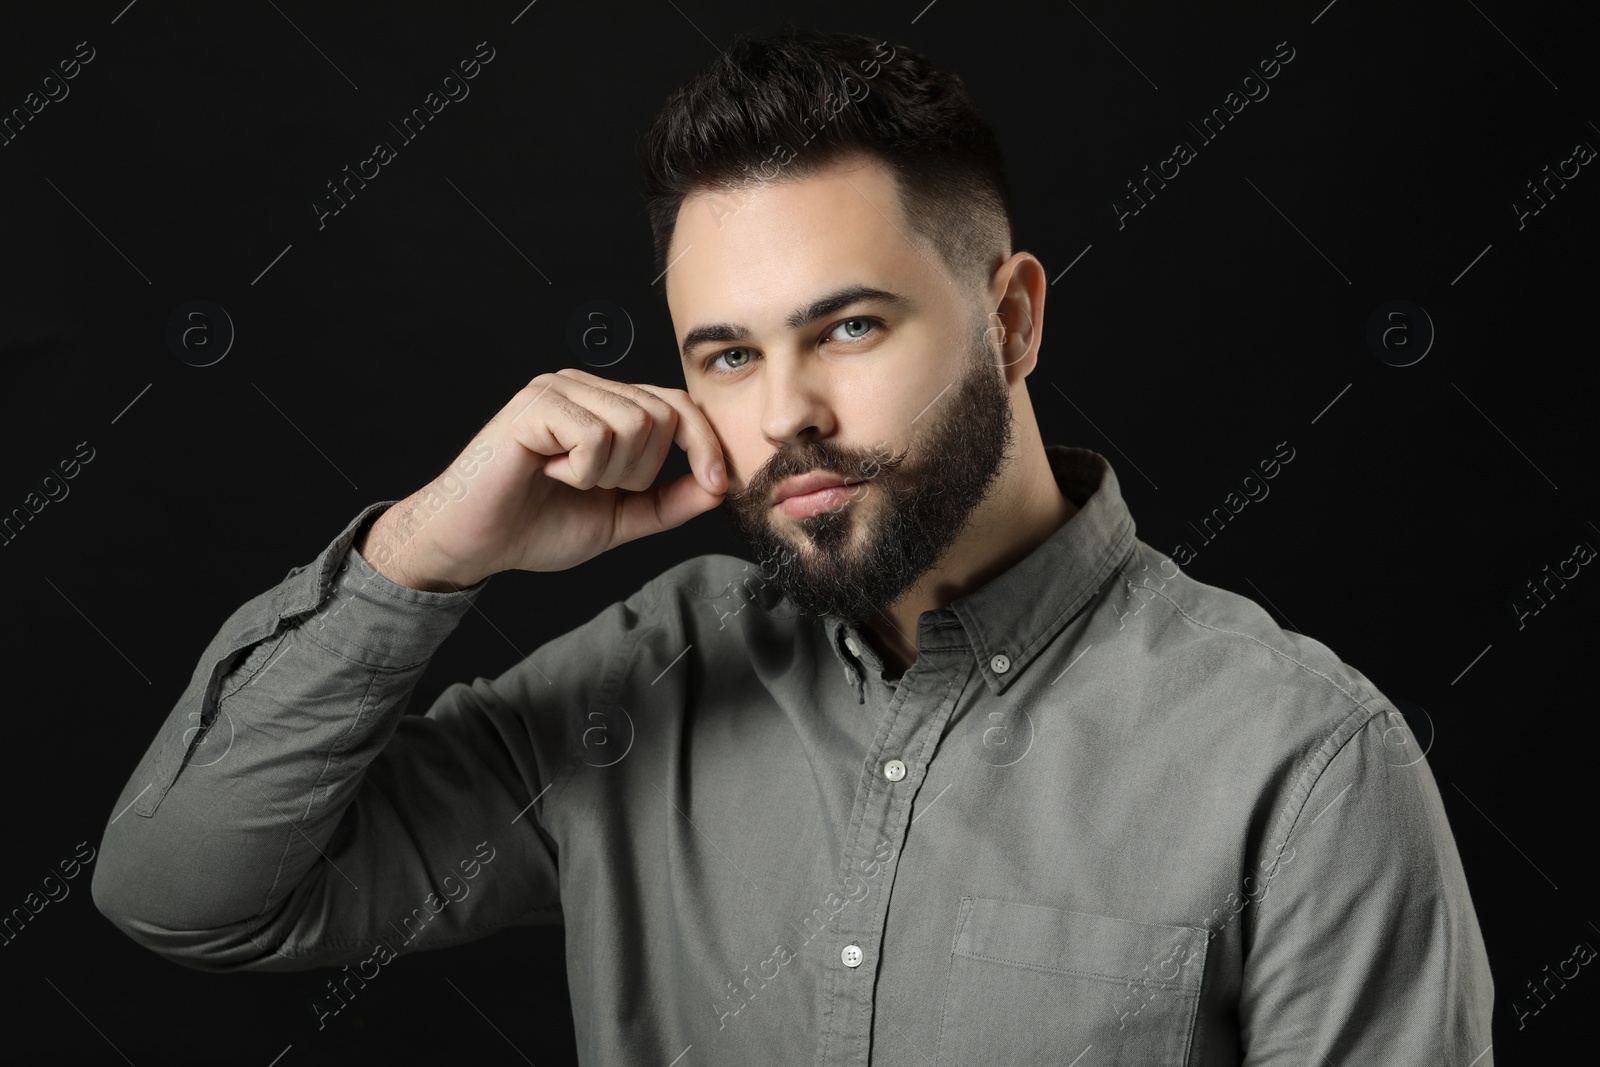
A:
(740, 122)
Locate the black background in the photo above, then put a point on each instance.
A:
(1229, 315)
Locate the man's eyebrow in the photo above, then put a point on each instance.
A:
(826, 305)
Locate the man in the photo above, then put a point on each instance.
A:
(959, 771)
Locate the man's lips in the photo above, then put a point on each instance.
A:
(807, 483)
(808, 494)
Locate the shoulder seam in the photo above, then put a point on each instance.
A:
(1358, 701)
(1322, 758)
(1311, 787)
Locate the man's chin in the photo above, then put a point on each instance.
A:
(820, 541)
(820, 584)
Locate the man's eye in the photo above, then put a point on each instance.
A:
(851, 325)
(739, 358)
(730, 352)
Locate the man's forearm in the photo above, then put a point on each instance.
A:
(248, 814)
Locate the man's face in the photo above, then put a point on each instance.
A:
(896, 390)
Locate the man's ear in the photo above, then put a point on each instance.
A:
(1015, 324)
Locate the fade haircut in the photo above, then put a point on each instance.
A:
(782, 107)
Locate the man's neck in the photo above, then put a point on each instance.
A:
(1025, 507)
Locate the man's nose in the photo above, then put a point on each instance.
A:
(796, 399)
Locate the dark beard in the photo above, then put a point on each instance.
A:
(929, 491)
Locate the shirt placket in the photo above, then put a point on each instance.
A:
(908, 732)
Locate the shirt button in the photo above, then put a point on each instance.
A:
(1000, 663)
(894, 770)
(851, 955)
(850, 643)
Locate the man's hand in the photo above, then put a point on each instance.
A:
(538, 488)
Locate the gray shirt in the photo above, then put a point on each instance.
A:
(1110, 815)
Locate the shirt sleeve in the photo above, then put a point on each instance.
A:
(1364, 946)
(289, 814)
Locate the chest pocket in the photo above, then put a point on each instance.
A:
(1034, 985)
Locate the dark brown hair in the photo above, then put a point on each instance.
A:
(781, 107)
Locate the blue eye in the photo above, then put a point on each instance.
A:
(730, 351)
(864, 323)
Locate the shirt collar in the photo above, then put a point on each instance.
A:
(1009, 619)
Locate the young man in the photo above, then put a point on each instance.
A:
(959, 771)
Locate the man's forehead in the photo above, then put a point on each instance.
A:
(836, 204)
(759, 254)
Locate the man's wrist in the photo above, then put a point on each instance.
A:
(395, 552)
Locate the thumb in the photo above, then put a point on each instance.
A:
(661, 507)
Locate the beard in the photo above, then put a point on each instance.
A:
(853, 560)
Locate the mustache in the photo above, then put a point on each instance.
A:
(855, 464)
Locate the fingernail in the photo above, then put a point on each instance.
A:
(718, 475)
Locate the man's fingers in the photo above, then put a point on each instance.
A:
(594, 431)
(693, 432)
(585, 439)
(661, 507)
(696, 437)
(640, 431)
